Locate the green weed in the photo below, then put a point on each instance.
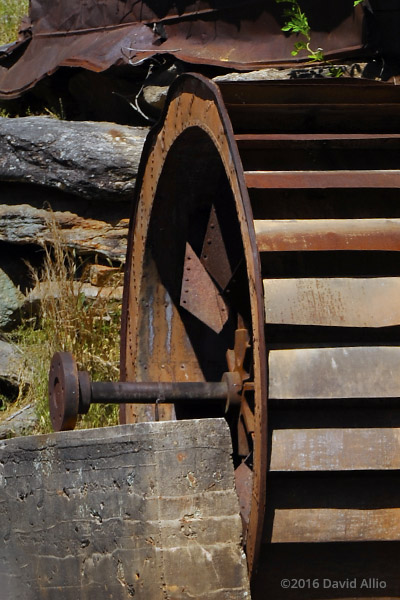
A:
(67, 321)
(11, 13)
(297, 22)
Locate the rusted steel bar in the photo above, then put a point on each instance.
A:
(327, 234)
(322, 179)
(144, 392)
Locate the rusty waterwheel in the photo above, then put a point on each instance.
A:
(193, 295)
(264, 242)
(262, 272)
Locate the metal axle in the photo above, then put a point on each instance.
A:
(147, 392)
(71, 392)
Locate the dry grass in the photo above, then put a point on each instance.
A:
(67, 321)
(11, 13)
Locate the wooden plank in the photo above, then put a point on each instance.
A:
(333, 302)
(351, 449)
(311, 91)
(327, 234)
(364, 570)
(349, 372)
(359, 489)
(313, 525)
(322, 179)
(310, 118)
(342, 140)
(122, 512)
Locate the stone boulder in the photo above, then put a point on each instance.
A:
(11, 300)
(11, 367)
(91, 160)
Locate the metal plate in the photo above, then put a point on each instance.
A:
(200, 295)
(213, 254)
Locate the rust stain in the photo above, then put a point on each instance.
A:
(117, 135)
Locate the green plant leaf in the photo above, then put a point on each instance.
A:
(297, 23)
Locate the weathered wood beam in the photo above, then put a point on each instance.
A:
(304, 525)
(322, 179)
(333, 302)
(336, 449)
(327, 234)
(348, 372)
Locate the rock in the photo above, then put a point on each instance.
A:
(11, 367)
(311, 72)
(20, 423)
(55, 290)
(146, 511)
(109, 292)
(154, 91)
(100, 275)
(24, 224)
(91, 160)
(17, 262)
(11, 300)
(154, 96)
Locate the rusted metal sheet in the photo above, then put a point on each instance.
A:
(349, 372)
(244, 487)
(199, 295)
(302, 525)
(323, 179)
(213, 254)
(333, 302)
(97, 36)
(336, 449)
(297, 235)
